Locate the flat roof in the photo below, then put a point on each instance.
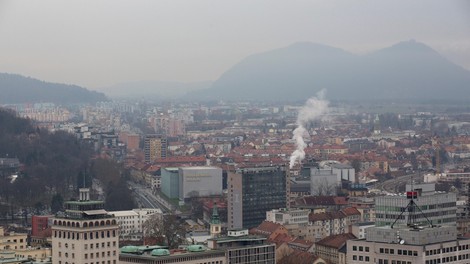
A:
(123, 213)
(199, 168)
(95, 212)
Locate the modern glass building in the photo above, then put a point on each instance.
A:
(252, 192)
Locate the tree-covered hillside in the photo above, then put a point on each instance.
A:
(52, 165)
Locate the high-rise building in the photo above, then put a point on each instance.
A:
(252, 192)
(155, 146)
(85, 233)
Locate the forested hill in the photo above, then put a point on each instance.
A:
(15, 88)
(52, 162)
(53, 165)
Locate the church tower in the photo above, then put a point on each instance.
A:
(215, 225)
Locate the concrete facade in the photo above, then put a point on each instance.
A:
(199, 182)
(426, 245)
(439, 207)
(288, 217)
(323, 182)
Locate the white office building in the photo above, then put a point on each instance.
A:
(288, 216)
(131, 222)
(438, 207)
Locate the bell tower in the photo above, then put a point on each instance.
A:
(215, 225)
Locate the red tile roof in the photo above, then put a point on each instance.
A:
(266, 228)
(335, 241)
(298, 257)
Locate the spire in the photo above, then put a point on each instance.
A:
(215, 215)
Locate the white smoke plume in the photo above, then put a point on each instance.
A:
(313, 109)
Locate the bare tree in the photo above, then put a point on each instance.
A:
(322, 187)
(166, 228)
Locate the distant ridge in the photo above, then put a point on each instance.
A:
(15, 88)
(408, 70)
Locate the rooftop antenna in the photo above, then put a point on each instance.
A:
(411, 207)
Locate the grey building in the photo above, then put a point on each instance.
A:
(323, 182)
(252, 192)
(199, 182)
(439, 207)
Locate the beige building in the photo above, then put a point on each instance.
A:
(155, 146)
(12, 240)
(330, 247)
(85, 233)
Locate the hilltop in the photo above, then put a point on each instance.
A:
(408, 70)
(15, 88)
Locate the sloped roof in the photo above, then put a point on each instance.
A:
(335, 241)
(266, 228)
(350, 211)
(299, 257)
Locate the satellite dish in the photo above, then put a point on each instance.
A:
(402, 242)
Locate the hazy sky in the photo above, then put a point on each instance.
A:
(99, 43)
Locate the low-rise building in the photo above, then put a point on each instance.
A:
(131, 222)
(330, 247)
(12, 240)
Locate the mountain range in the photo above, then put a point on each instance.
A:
(408, 70)
(16, 88)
